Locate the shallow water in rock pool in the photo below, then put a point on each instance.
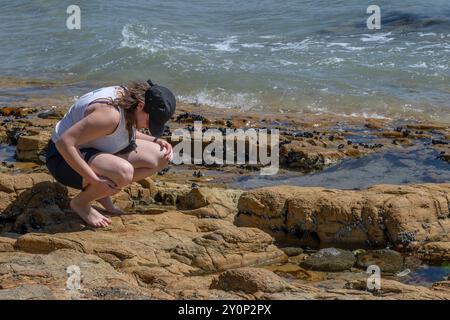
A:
(427, 275)
(7, 153)
(418, 164)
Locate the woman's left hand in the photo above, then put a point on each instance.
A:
(167, 148)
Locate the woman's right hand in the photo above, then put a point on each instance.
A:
(103, 183)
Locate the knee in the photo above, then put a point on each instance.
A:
(125, 172)
(156, 161)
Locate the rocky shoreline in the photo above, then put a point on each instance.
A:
(187, 234)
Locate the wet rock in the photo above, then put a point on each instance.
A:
(427, 126)
(329, 259)
(15, 111)
(303, 156)
(191, 117)
(250, 280)
(298, 258)
(168, 193)
(389, 261)
(6, 111)
(164, 171)
(53, 113)
(375, 216)
(170, 238)
(29, 148)
(7, 183)
(214, 251)
(209, 202)
(292, 251)
(198, 174)
(264, 209)
(444, 151)
(168, 253)
(403, 142)
(48, 272)
(6, 244)
(392, 289)
(307, 154)
(435, 252)
(21, 191)
(150, 185)
(375, 124)
(123, 201)
(435, 141)
(293, 271)
(392, 134)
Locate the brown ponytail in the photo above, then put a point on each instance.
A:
(133, 93)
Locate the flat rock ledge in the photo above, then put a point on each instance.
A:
(406, 217)
(188, 249)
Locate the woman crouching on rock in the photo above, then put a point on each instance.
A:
(95, 147)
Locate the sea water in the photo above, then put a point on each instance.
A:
(292, 55)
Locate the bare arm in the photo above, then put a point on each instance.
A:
(168, 154)
(143, 136)
(101, 122)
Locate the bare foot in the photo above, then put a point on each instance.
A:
(91, 216)
(109, 206)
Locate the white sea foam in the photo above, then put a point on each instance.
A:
(226, 44)
(366, 115)
(287, 63)
(252, 45)
(316, 109)
(377, 37)
(331, 61)
(419, 65)
(409, 108)
(427, 34)
(269, 37)
(294, 46)
(344, 45)
(131, 39)
(152, 40)
(243, 101)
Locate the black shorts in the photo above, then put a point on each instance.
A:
(61, 170)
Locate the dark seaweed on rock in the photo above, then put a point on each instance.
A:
(190, 117)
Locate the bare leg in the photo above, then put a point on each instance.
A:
(122, 170)
(111, 167)
(106, 202)
(148, 159)
(142, 173)
(80, 204)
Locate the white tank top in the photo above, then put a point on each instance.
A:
(112, 143)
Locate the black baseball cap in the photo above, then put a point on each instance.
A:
(160, 104)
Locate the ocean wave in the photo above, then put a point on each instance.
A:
(427, 34)
(317, 110)
(152, 40)
(367, 115)
(408, 108)
(132, 37)
(414, 21)
(269, 37)
(252, 45)
(378, 37)
(330, 61)
(295, 46)
(419, 65)
(222, 99)
(226, 44)
(344, 45)
(287, 63)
